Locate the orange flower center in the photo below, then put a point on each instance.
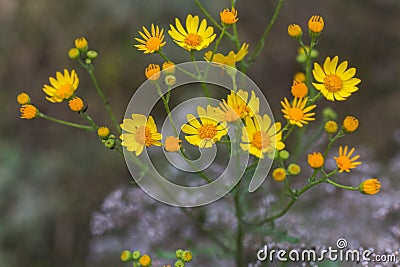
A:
(193, 39)
(207, 131)
(333, 83)
(296, 114)
(261, 140)
(143, 136)
(153, 43)
(65, 91)
(343, 162)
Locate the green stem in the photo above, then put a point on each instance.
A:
(329, 181)
(239, 235)
(90, 120)
(167, 109)
(287, 134)
(261, 42)
(177, 66)
(67, 123)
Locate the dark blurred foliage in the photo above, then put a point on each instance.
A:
(52, 178)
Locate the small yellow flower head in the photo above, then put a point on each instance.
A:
(126, 256)
(145, 260)
(172, 144)
(295, 31)
(350, 124)
(170, 80)
(152, 72)
(331, 127)
(73, 53)
(179, 263)
(279, 174)
(136, 255)
(103, 132)
(345, 161)
(370, 186)
(76, 104)
(81, 43)
(299, 77)
(299, 89)
(186, 256)
(168, 67)
(23, 99)
(229, 16)
(316, 24)
(294, 169)
(315, 160)
(28, 112)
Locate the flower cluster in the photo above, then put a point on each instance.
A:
(144, 260)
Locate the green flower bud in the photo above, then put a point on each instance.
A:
(92, 54)
(88, 61)
(284, 154)
(314, 53)
(179, 253)
(301, 58)
(136, 255)
(329, 114)
(179, 263)
(294, 169)
(125, 256)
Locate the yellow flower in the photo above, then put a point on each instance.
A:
(299, 89)
(151, 42)
(145, 260)
(168, 67)
(279, 174)
(294, 169)
(259, 136)
(331, 127)
(125, 256)
(63, 87)
(229, 59)
(344, 160)
(76, 104)
(236, 107)
(73, 53)
(81, 43)
(350, 124)
(299, 77)
(295, 31)
(316, 24)
(335, 82)
(194, 37)
(172, 144)
(103, 132)
(139, 132)
(187, 256)
(152, 72)
(297, 113)
(28, 112)
(370, 186)
(205, 132)
(229, 16)
(315, 160)
(23, 99)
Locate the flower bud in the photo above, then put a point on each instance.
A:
(91, 54)
(295, 31)
(284, 154)
(74, 53)
(329, 114)
(279, 174)
(294, 169)
(23, 99)
(82, 44)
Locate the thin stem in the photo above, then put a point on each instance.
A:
(329, 181)
(261, 42)
(286, 135)
(177, 66)
(90, 120)
(167, 109)
(67, 123)
(239, 235)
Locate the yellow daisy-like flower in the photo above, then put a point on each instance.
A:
(63, 87)
(335, 82)
(145, 260)
(370, 186)
(229, 16)
(172, 144)
(344, 160)
(28, 111)
(151, 42)
(229, 59)
(140, 132)
(315, 160)
(260, 137)
(195, 36)
(279, 174)
(297, 113)
(236, 107)
(23, 99)
(205, 132)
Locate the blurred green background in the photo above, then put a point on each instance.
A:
(52, 178)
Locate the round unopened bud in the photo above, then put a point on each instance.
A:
(23, 99)
(92, 54)
(125, 256)
(294, 169)
(110, 142)
(329, 114)
(331, 127)
(136, 255)
(284, 154)
(187, 256)
(295, 31)
(178, 253)
(179, 263)
(74, 53)
(170, 80)
(82, 44)
(88, 61)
